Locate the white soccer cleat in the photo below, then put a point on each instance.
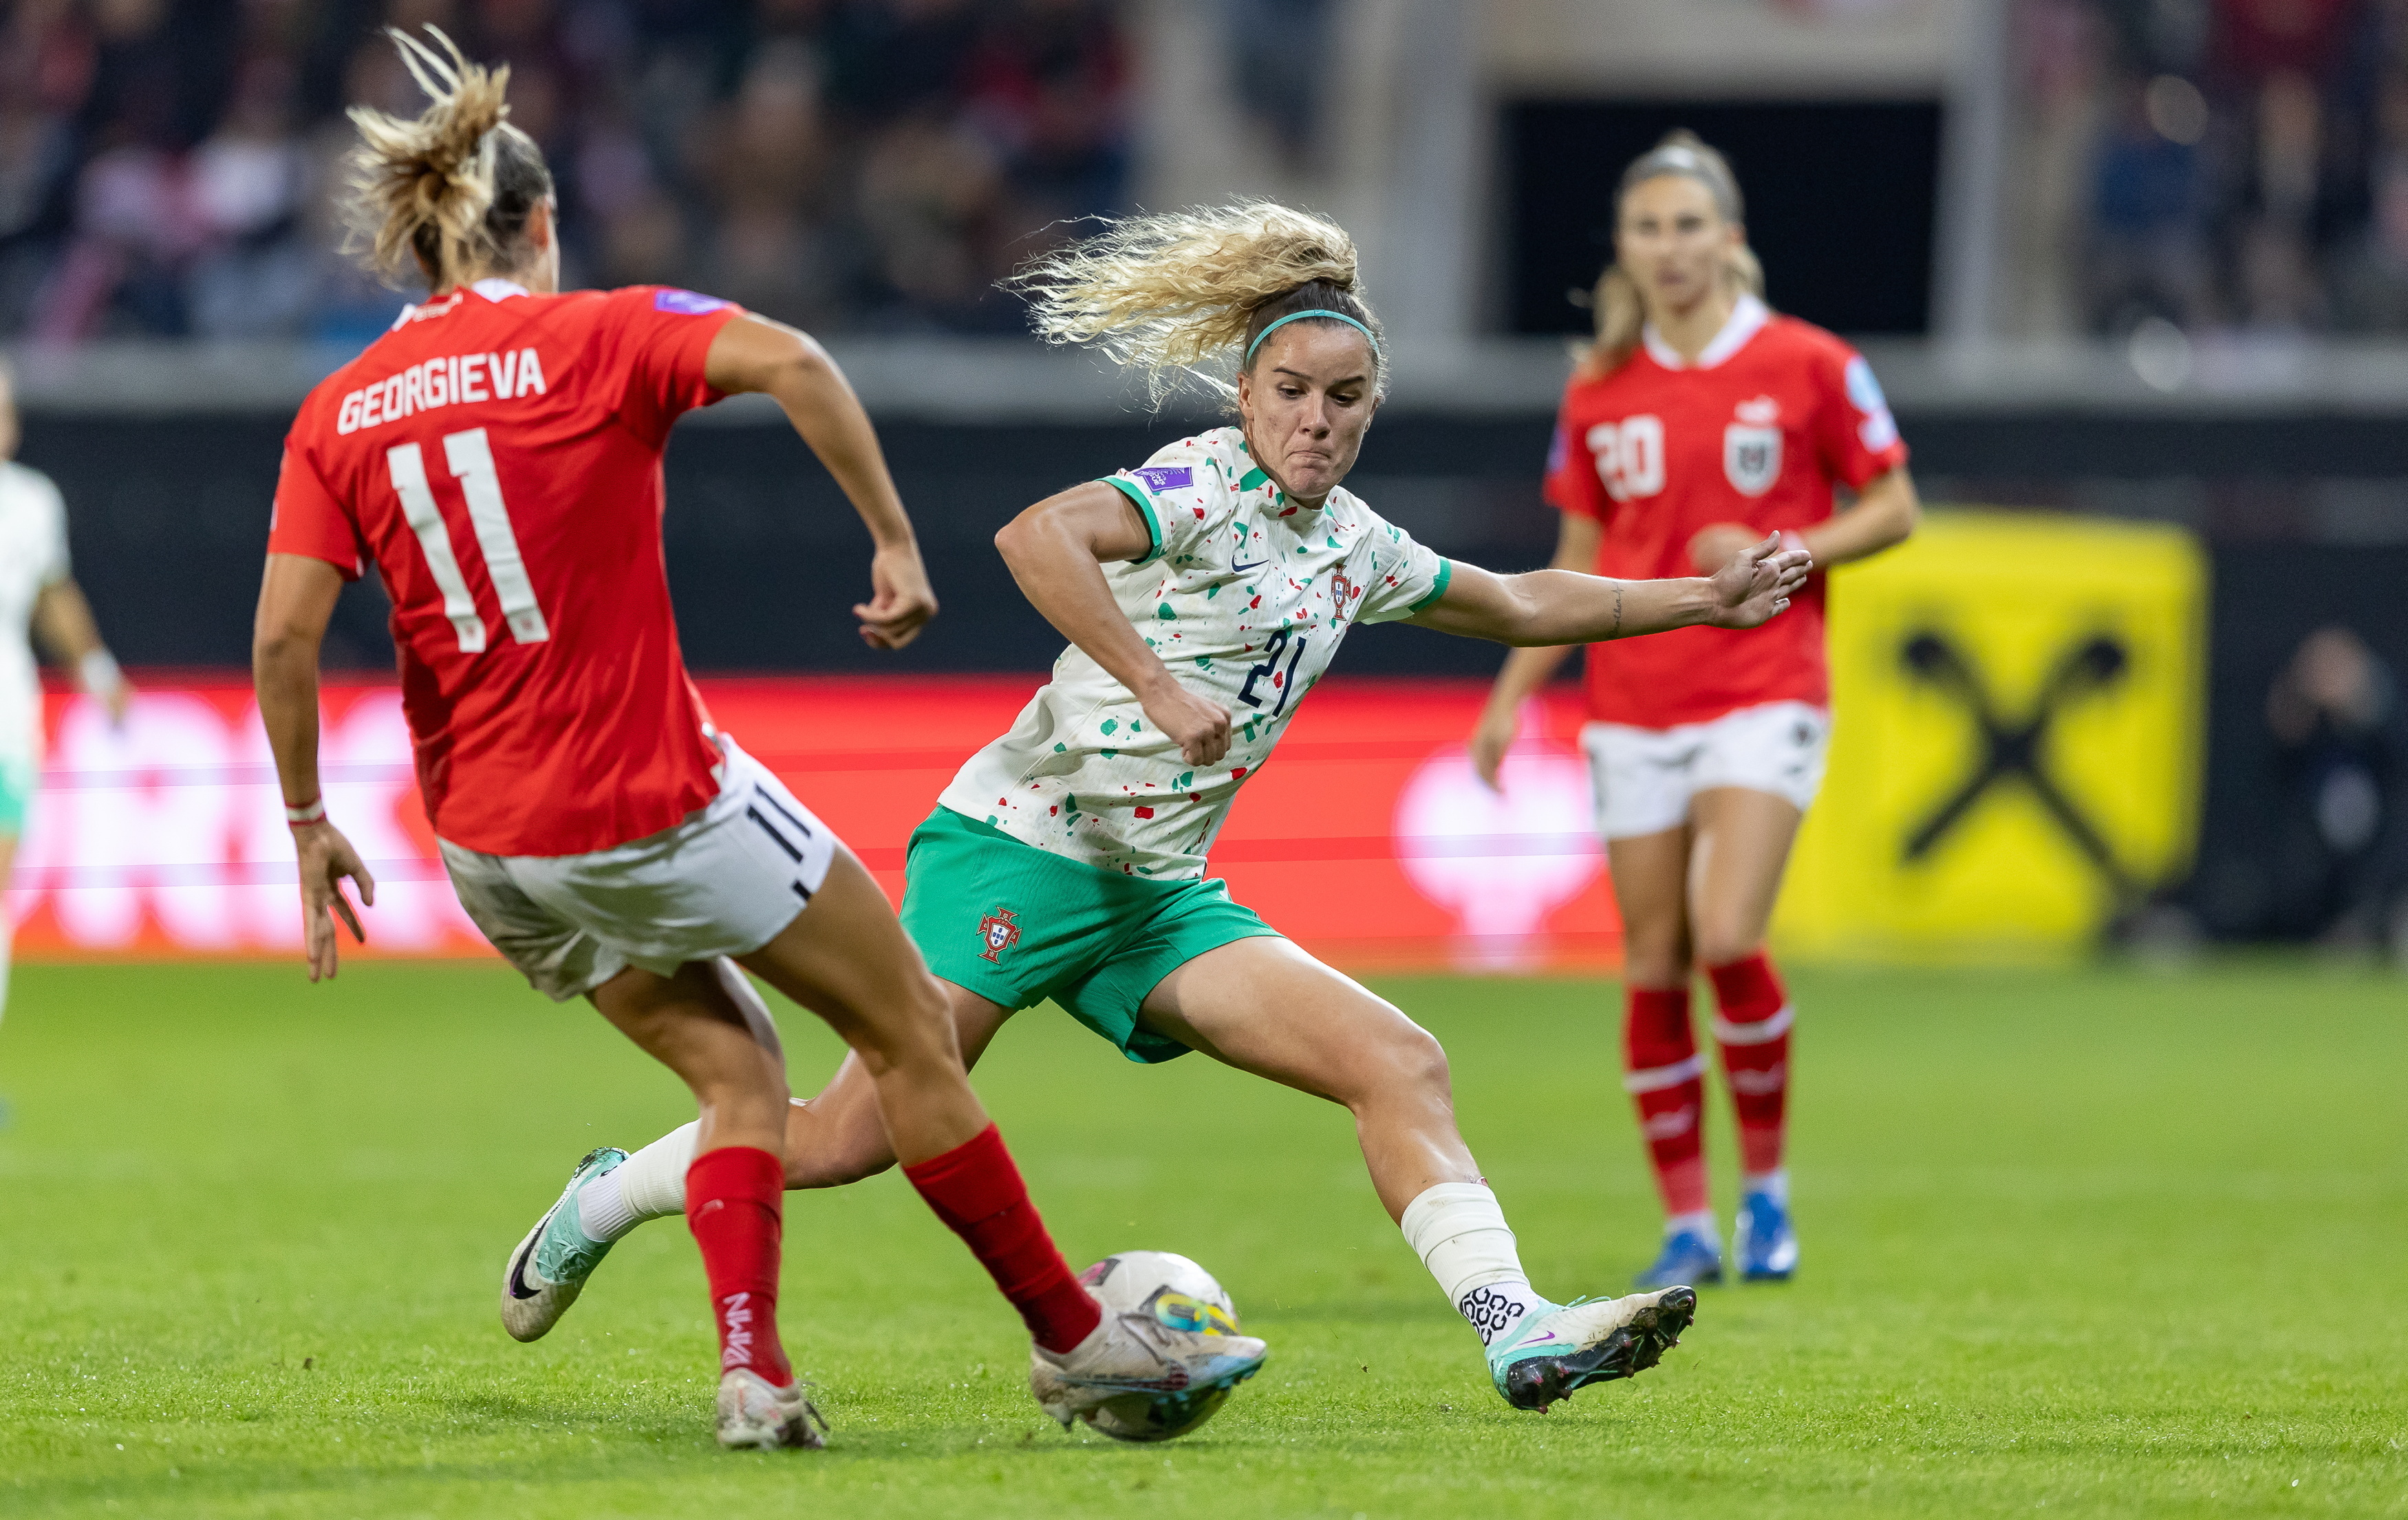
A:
(753, 1415)
(1136, 1353)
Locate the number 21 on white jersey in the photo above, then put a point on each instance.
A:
(470, 454)
(1629, 456)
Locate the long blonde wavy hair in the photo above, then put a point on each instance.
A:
(1621, 313)
(449, 191)
(1180, 295)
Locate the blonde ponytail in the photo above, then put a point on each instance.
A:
(1179, 295)
(451, 190)
(1620, 313)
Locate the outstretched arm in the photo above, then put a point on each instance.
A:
(753, 353)
(1526, 670)
(63, 619)
(1056, 550)
(1563, 606)
(296, 596)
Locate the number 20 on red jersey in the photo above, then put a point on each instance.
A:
(1629, 456)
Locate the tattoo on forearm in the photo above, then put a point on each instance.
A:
(1617, 611)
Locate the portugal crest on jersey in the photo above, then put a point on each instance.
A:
(998, 933)
(1751, 458)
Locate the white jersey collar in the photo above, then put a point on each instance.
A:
(1748, 317)
(494, 287)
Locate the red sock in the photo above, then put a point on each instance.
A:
(977, 1192)
(733, 1200)
(1664, 1075)
(1753, 1028)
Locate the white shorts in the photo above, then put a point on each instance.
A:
(1644, 777)
(722, 883)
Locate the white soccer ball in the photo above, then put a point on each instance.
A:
(1179, 1294)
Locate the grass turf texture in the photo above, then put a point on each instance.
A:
(2097, 1242)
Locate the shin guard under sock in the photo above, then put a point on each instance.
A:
(1664, 1075)
(1753, 1028)
(734, 1198)
(978, 1193)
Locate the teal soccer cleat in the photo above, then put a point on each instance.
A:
(1588, 1341)
(548, 1271)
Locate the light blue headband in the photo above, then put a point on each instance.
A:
(1299, 316)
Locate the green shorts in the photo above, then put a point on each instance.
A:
(1018, 925)
(18, 776)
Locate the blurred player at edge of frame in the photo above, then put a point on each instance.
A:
(1698, 423)
(1204, 595)
(498, 456)
(38, 595)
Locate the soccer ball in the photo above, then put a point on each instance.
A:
(1179, 1294)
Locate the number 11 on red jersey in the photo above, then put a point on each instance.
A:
(470, 454)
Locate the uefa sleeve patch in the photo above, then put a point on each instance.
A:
(687, 303)
(1161, 478)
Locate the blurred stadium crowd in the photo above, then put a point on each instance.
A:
(2215, 165)
(850, 164)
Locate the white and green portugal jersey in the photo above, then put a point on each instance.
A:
(33, 559)
(1245, 595)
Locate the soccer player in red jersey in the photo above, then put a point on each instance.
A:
(1699, 422)
(497, 457)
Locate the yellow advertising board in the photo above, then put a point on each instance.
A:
(2018, 703)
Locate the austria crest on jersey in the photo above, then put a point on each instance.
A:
(1752, 446)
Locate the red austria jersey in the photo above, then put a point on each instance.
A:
(1774, 413)
(497, 456)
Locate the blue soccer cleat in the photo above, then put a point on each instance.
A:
(1689, 1257)
(1762, 1240)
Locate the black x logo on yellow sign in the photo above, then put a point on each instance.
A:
(2016, 700)
(2014, 751)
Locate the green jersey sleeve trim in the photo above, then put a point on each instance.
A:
(1144, 509)
(1438, 588)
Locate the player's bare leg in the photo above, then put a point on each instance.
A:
(847, 960)
(837, 1138)
(705, 1026)
(1265, 1006)
(1330, 1037)
(1742, 840)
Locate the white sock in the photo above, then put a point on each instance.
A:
(649, 1185)
(1774, 1183)
(1460, 1234)
(1700, 1224)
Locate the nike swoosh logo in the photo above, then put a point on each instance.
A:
(518, 1288)
(1241, 569)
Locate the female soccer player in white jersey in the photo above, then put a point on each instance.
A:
(38, 595)
(1698, 422)
(498, 456)
(1204, 595)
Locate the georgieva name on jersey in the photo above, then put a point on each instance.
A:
(441, 382)
(1245, 597)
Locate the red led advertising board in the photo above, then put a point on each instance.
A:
(1365, 838)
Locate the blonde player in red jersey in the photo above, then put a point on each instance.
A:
(497, 457)
(1698, 422)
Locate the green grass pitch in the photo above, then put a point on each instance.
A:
(2100, 1242)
